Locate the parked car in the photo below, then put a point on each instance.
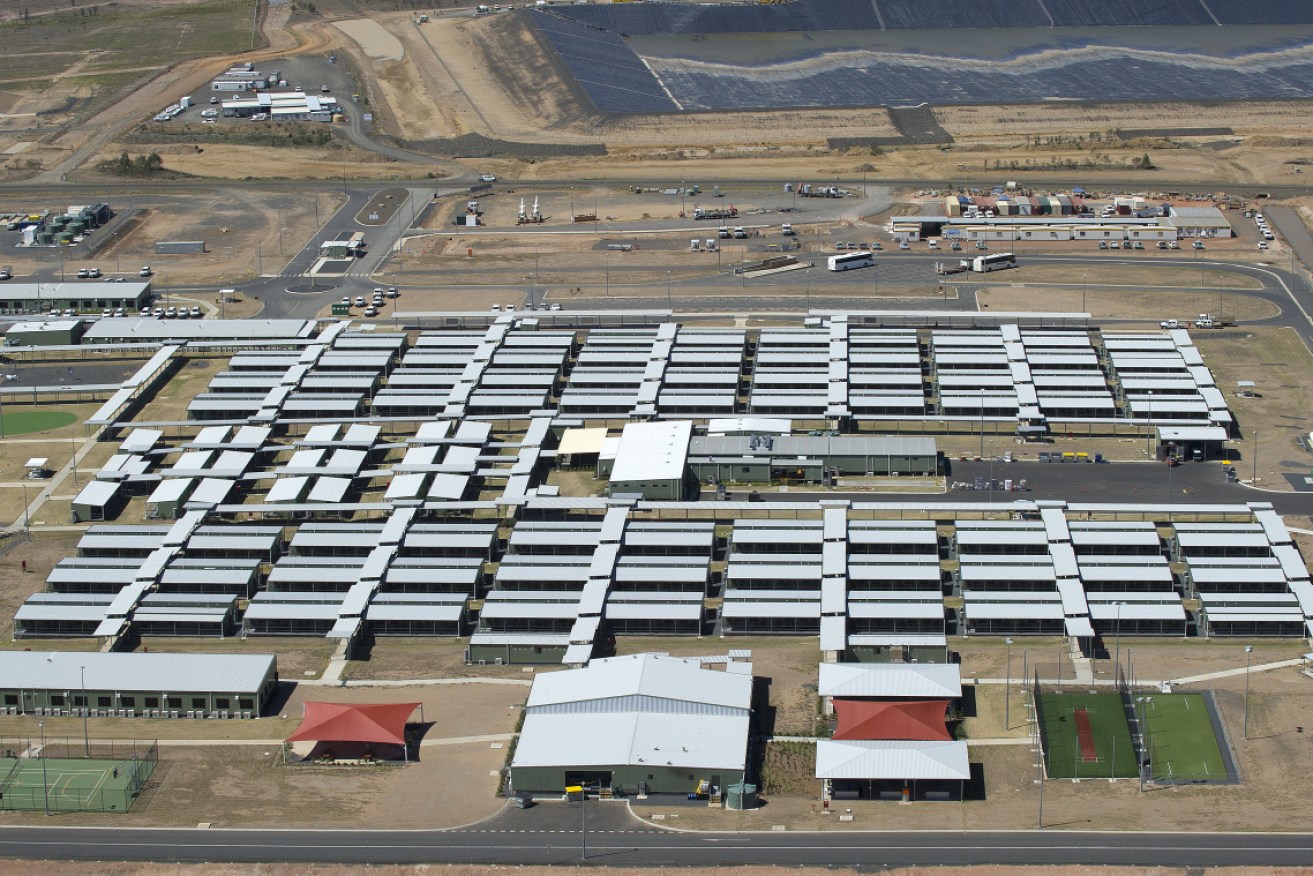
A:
(196, 313)
(371, 311)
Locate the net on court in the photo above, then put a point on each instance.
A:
(72, 784)
(1086, 736)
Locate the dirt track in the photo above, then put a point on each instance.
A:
(104, 127)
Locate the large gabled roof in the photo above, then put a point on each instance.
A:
(899, 680)
(898, 761)
(649, 675)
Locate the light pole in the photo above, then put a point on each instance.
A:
(45, 784)
(1169, 481)
(1255, 479)
(86, 709)
(670, 305)
(27, 521)
(583, 825)
(1139, 767)
(1118, 635)
(982, 422)
(1148, 429)
(1007, 690)
(1249, 651)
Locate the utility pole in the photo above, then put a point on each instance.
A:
(1249, 653)
(1007, 690)
(45, 783)
(86, 710)
(982, 422)
(1255, 480)
(583, 825)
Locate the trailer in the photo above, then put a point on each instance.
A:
(715, 212)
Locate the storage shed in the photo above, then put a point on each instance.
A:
(642, 723)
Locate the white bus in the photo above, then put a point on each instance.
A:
(850, 261)
(994, 262)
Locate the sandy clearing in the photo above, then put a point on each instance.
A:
(257, 162)
(373, 38)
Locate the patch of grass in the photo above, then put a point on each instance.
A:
(162, 34)
(789, 768)
(1115, 756)
(1181, 740)
(26, 422)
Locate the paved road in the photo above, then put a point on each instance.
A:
(635, 846)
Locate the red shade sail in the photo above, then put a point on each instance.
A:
(354, 722)
(913, 720)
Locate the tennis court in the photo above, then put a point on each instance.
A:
(72, 784)
(1182, 739)
(1086, 736)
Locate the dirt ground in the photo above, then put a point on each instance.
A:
(1152, 306)
(401, 658)
(41, 551)
(1274, 358)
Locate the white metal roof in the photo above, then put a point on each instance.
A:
(656, 451)
(870, 759)
(62, 670)
(890, 680)
(713, 742)
(647, 675)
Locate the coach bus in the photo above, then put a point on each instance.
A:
(850, 261)
(993, 262)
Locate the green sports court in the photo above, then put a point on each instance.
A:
(1182, 740)
(72, 784)
(1086, 736)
